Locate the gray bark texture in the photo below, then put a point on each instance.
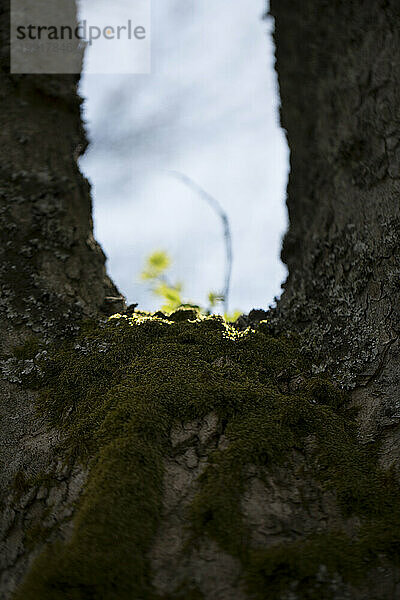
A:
(52, 271)
(338, 64)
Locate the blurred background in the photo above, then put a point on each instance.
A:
(209, 109)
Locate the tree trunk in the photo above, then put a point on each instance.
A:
(204, 462)
(52, 272)
(339, 78)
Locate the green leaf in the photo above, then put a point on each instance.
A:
(156, 264)
(154, 272)
(233, 316)
(214, 298)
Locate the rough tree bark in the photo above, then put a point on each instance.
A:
(339, 77)
(339, 74)
(52, 271)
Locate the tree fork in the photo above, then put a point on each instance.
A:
(340, 106)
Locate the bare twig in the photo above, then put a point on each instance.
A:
(215, 205)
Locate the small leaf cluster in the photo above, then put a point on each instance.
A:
(155, 273)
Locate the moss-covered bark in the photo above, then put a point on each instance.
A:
(116, 393)
(340, 93)
(52, 271)
(177, 457)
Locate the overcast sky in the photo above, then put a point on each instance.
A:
(209, 108)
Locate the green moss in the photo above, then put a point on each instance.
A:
(303, 566)
(116, 391)
(186, 591)
(20, 485)
(184, 314)
(38, 533)
(28, 349)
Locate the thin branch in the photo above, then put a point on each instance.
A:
(215, 205)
